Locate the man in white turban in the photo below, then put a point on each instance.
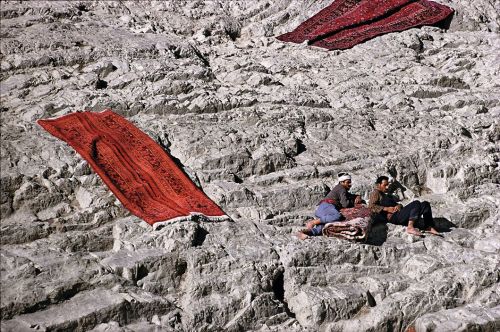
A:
(340, 193)
(328, 209)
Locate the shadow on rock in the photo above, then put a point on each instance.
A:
(445, 24)
(378, 234)
(397, 190)
(444, 225)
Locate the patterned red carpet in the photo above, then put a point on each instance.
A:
(346, 23)
(136, 169)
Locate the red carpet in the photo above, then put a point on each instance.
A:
(413, 15)
(346, 23)
(136, 169)
(363, 13)
(326, 15)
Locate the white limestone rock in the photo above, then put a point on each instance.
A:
(263, 127)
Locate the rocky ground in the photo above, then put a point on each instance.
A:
(263, 127)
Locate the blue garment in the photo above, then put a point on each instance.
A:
(326, 213)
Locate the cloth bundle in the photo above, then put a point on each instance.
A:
(346, 23)
(137, 170)
(356, 227)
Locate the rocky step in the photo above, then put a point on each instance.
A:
(391, 312)
(314, 306)
(138, 264)
(322, 251)
(373, 278)
(131, 233)
(294, 219)
(51, 276)
(471, 317)
(280, 197)
(87, 309)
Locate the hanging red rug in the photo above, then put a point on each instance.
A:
(137, 170)
(346, 23)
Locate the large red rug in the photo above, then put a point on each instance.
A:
(326, 15)
(346, 23)
(136, 169)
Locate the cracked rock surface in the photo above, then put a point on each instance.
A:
(263, 127)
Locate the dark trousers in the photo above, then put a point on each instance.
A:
(414, 211)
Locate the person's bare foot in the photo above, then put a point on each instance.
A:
(413, 231)
(301, 235)
(310, 224)
(433, 231)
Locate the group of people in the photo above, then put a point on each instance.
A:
(384, 207)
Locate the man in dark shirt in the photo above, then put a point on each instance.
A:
(341, 195)
(386, 209)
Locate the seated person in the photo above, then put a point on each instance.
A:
(386, 209)
(340, 193)
(328, 209)
(326, 212)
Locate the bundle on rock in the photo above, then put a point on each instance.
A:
(137, 170)
(346, 23)
(356, 227)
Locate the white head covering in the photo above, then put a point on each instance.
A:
(343, 177)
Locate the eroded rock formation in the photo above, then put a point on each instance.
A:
(263, 127)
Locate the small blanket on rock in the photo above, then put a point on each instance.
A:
(358, 211)
(356, 227)
(346, 23)
(137, 170)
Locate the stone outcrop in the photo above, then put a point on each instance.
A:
(263, 127)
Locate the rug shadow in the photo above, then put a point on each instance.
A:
(446, 23)
(179, 164)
